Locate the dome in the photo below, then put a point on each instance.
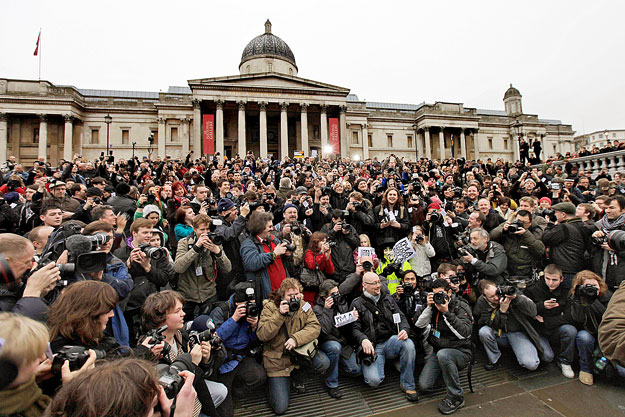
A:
(511, 92)
(267, 45)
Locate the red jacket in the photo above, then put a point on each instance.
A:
(325, 264)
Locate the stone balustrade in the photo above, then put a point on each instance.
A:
(594, 164)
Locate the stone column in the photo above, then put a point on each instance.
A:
(197, 129)
(343, 131)
(365, 142)
(263, 129)
(241, 148)
(185, 137)
(476, 143)
(441, 142)
(284, 131)
(428, 142)
(219, 128)
(161, 137)
(324, 129)
(463, 144)
(67, 138)
(4, 136)
(43, 137)
(516, 143)
(420, 139)
(304, 123)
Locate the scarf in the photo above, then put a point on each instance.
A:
(374, 298)
(26, 400)
(606, 226)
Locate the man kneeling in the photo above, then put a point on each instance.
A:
(449, 321)
(382, 333)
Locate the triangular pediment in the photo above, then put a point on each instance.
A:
(267, 81)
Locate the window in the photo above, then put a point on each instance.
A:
(154, 133)
(36, 135)
(505, 143)
(354, 138)
(269, 67)
(174, 134)
(370, 140)
(95, 136)
(389, 141)
(554, 148)
(409, 140)
(600, 135)
(613, 134)
(125, 136)
(490, 142)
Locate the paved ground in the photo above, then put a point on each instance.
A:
(508, 391)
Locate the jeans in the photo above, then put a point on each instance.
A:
(522, 346)
(447, 362)
(332, 349)
(585, 346)
(391, 349)
(565, 337)
(279, 386)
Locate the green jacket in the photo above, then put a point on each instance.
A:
(198, 288)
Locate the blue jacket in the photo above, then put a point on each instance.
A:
(235, 335)
(256, 262)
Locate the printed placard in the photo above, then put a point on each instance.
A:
(343, 319)
(402, 251)
(365, 251)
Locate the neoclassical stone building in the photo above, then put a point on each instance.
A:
(267, 109)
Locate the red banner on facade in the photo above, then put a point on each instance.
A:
(333, 141)
(208, 135)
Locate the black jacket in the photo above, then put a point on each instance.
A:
(390, 235)
(32, 307)
(378, 328)
(123, 204)
(343, 252)
(231, 234)
(326, 318)
(553, 318)
(587, 316)
(454, 326)
(566, 244)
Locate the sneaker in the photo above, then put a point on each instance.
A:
(411, 395)
(449, 406)
(567, 371)
(335, 393)
(298, 384)
(586, 378)
(491, 366)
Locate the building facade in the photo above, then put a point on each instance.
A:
(267, 109)
(600, 138)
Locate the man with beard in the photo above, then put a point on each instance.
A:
(486, 259)
(607, 262)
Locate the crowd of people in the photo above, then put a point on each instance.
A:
(161, 286)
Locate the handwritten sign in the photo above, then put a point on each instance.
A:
(343, 319)
(365, 251)
(403, 250)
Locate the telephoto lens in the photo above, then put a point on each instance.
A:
(504, 290)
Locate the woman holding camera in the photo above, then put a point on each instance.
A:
(589, 298)
(318, 257)
(285, 324)
(334, 340)
(165, 309)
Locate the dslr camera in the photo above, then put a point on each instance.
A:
(156, 336)
(440, 298)
(367, 266)
(152, 252)
(208, 335)
(216, 239)
(76, 355)
(587, 291)
(338, 298)
(467, 250)
(503, 290)
(409, 290)
(168, 376)
(251, 308)
(294, 304)
(515, 226)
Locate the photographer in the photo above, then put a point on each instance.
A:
(165, 309)
(391, 270)
(360, 213)
(420, 263)
(285, 324)
(294, 232)
(504, 318)
(233, 225)
(607, 262)
(565, 241)
(484, 259)
(333, 340)
(322, 211)
(198, 263)
(520, 239)
(149, 272)
(264, 255)
(551, 299)
(440, 235)
(589, 297)
(411, 297)
(343, 240)
(126, 387)
(236, 321)
(15, 296)
(448, 320)
(379, 336)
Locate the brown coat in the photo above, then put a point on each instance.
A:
(303, 327)
(612, 328)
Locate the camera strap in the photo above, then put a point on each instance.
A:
(377, 313)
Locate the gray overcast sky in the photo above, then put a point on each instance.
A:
(566, 57)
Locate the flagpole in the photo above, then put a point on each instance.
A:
(39, 54)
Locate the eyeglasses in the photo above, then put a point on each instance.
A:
(372, 283)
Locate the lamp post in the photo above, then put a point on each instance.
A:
(108, 120)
